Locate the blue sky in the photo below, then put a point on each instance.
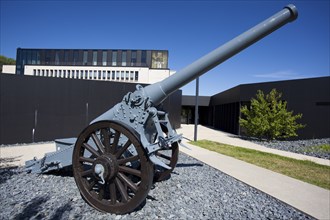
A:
(188, 29)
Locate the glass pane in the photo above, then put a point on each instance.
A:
(94, 58)
(123, 58)
(104, 58)
(114, 58)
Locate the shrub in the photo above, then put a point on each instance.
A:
(268, 117)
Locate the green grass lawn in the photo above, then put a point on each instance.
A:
(304, 170)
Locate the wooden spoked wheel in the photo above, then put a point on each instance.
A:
(170, 158)
(110, 167)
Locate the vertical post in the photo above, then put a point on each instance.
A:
(196, 109)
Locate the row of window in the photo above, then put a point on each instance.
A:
(156, 59)
(89, 74)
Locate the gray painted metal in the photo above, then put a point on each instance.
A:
(138, 109)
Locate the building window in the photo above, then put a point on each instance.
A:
(132, 75)
(136, 75)
(123, 58)
(47, 57)
(113, 75)
(127, 75)
(104, 58)
(57, 58)
(85, 56)
(122, 75)
(117, 75)
(34, 57)
(114, 58)
(38, 73)
(108, 74)
(38, 57)
(51, 73)
(55, 73)
(94, 58)
(159, 59)
(133, 58)
(34, 72)
(66, 57)
(75, 57)
(144, 58)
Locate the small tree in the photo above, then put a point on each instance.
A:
(268, 117)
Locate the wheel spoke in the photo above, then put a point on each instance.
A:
(87, 172)
(98, 143)
(106, 138)
(130, 171)
(122, 190)
(123, 149)
(85, 159)
(163, 156)
(115, 142)
(101, 193)
(128, 159)
(129, 183)
(91, 185)
(113, 195)
(91, 149)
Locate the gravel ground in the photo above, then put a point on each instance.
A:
(306, 147)
(194, 191)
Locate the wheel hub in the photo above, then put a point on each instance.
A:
(105, 167)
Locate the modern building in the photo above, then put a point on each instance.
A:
(138, 66)
(311, 97)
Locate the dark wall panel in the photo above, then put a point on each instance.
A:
(43, 109)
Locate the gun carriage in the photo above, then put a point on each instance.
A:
(118, 156)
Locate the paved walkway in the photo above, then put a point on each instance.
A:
(308, 198)
(18, 154)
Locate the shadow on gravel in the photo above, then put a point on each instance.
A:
(64, 172)
(59, 213)
(189, 165)
(6, 161)
(7, 172)
(33, 209)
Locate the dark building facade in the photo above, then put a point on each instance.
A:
(153, 59)
(311, 97)
(44, 108)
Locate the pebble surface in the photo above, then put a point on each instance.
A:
(194, 191)
(306, 147)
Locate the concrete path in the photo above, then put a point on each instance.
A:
(18, 154)
(313, 200)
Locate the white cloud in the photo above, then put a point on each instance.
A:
(285, 74)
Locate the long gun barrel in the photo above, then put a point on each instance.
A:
(159, 91)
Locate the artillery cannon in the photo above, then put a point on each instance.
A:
(116, 158)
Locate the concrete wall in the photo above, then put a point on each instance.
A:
(9, 69)
(44, 108)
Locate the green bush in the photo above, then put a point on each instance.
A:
(267, 117)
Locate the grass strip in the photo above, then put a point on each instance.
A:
(303, 170)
